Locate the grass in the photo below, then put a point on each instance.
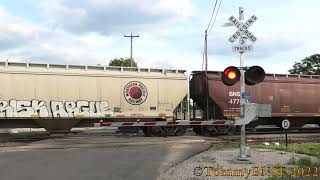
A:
(222, 146)
(312, 149)
(217, 147)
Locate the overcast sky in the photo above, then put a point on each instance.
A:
(171, 32)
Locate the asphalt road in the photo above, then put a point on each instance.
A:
(95, 158)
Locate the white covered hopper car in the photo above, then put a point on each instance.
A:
(59, 97)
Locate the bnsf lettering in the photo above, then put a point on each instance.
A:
(15, 108)
(234, 94)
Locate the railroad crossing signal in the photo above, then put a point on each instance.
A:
(254, 75)
(242, 34)
(242, 28)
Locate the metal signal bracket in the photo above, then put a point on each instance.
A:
(253, 111)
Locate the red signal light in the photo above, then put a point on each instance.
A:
(230, 76)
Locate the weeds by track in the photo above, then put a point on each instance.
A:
(281, 131)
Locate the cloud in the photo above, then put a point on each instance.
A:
(16, 32)
(159, 64)
(53, 42)
(171, 33)
(106, 16)
(21, 40)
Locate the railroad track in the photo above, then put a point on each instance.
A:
(32, 137)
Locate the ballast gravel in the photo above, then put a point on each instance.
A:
(222, 166)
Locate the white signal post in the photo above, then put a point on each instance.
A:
(242, 34)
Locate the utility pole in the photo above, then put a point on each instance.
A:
(206, 72)
(205, 50)
(131, 38)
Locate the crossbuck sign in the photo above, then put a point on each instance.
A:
(242, 28)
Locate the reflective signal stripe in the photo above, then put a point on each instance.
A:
(219, 122)
(105, 124)
(163, 123)
(127, 123)
(149, 123)
(173, 123)
(195, 122)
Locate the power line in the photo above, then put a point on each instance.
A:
(216, 15)
(213, 10)
(205, 51)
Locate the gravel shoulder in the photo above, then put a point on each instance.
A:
(218, 164)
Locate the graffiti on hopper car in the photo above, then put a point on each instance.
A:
(39, 108)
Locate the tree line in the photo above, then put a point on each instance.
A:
(308, 66)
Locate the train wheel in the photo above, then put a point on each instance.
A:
(171, 130)
(181, 130)
(146, 131)
(230, 130)
(157, 131)
(164, 131)
(206, 131)
(197, 130)
(175, 130)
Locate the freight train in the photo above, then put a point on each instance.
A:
(59, 97)
(292, 97)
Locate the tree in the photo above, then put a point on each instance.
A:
(123, 62)
(309, 65)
